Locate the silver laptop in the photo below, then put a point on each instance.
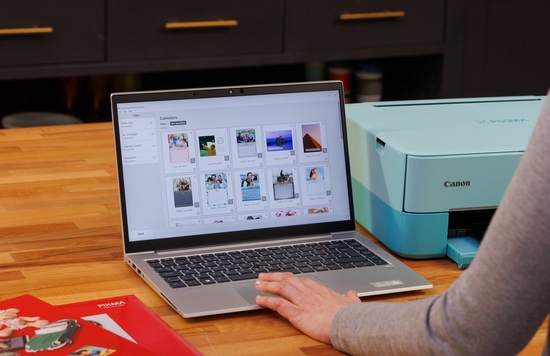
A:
(220, 184)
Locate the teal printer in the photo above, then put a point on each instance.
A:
(427, 175)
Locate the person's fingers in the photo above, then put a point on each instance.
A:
(313, 284)
(280, 305)
(277, 282)
(275, 276)
(352, 295)
(273, 303)
(300, 283)
(306, 303)
(291, 289)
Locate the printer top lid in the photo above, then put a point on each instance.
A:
(450, 126)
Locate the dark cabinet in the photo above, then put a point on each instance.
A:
(173, 29)
(429, 48)
(121, 36)
(354, 24)
(38, 32)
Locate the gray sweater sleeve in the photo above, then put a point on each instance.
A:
(497, 304)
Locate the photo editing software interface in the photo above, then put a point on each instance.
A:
(210, 165)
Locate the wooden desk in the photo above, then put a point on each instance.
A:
(60, 240)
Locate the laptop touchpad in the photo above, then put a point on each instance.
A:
(249, 293)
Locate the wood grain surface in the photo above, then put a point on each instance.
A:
(61, 241)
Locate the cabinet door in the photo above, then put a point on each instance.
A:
(53, 31)
(169, 29)
(506, 49)
(353, 24)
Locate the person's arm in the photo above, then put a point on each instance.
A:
(495, 306)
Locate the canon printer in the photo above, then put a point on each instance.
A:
(427, 175)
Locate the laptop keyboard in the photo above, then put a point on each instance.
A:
(196, 270)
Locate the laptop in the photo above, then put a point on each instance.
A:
(220, 184)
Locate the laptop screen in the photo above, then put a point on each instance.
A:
(231, 164)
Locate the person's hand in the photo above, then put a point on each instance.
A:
(308, 305)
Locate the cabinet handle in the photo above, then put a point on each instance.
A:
(372, 15)
(25, 31)
(200, 24)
